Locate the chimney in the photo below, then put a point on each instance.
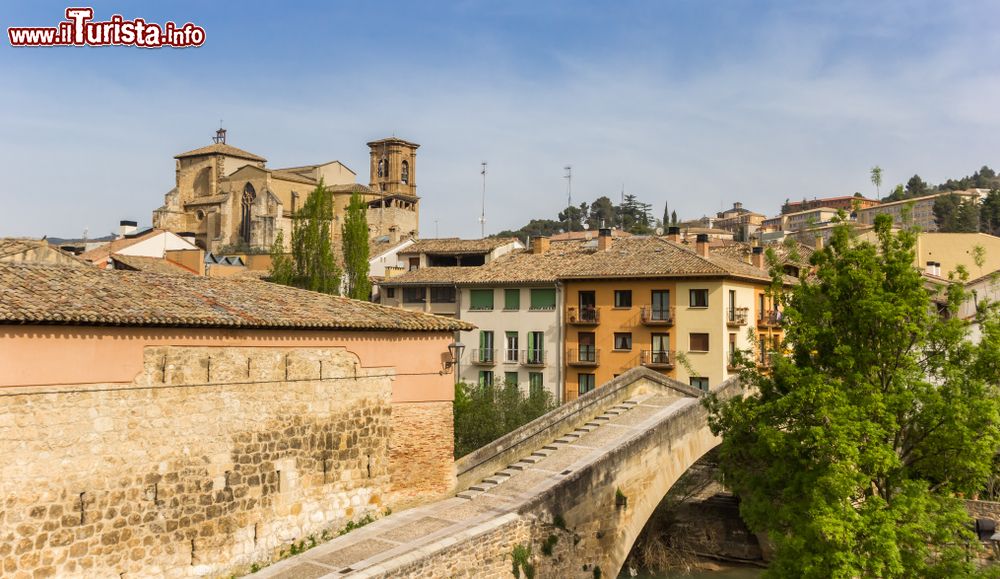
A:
(394, 235)
(604, 239)
(937, 268)
(701, 244)
(126, 227)
(757, 257)
(930, 268)
(539, 245)
(674, 234)
(737, 205)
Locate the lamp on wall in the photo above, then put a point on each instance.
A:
(455, 350)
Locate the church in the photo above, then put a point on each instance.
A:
(233, 203)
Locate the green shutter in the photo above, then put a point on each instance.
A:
(481, 299)
(511, 299)
(510, 378)
(543, 299)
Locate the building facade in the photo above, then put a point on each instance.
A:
(918, 211)
(231, 201)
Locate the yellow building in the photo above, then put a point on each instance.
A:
(680, 310)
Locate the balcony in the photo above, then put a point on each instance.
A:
(482, 357)
(587, 316)
(737, 317)
(533, 358)
(732, 364)
(583, 357)
(657, 316)
(769, 319)
(511, 356)
(657, 359)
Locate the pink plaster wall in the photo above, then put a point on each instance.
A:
(75, 355)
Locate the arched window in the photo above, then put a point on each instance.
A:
(406, 172)
(380, 168)
(249, 196)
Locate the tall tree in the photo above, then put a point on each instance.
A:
(952, 214)
(989, 214)
(916, 187)
(355, 242)
(666, 214)
(602, 213)
(282, 264)
(851, 453)
(876, 174)
(673, 218)
(314, 267)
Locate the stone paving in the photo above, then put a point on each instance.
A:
(407, 536)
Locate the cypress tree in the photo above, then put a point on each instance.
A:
(355, 238)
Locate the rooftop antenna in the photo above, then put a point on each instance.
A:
(220, 135)
(482, 216)
(436, 234)
(569, 195)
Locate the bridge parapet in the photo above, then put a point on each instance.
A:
(489, 459)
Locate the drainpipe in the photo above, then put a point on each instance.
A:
(560, 390)
(458, 334)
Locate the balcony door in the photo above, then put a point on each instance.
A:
(732, 305)
(536, 353)
(661, 305)
(510, 347)
(661, 348)
(588, 305)
(588, 351)
(486, 346)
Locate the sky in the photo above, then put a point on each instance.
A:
(692, 103)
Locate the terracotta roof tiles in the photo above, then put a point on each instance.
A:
(456, 246)
(221, 149)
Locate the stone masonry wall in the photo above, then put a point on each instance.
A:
(421, 452)
(212, 459)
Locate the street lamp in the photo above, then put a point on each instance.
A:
(455, 350)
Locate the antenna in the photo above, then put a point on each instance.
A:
(569, 195)
(482, 216)
(436, 234)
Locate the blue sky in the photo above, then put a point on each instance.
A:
(697, 103)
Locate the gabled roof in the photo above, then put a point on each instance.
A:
(10, 246)
(741, 250)
(456, 246)
(42, 294)
(151, 265)
(221, 149)
(116, 245)
(292, 176)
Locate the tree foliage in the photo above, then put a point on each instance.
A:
(851, 453)
(952, 214)
(355, 243)
(485, 412)
(989, 213)
(631, 215)
(312, 263)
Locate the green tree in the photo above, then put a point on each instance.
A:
(633, 215)
(916, 187)
(989, 213)
(355, 242)
(313, 265)
(851, 453)
(673, 218)
(876, 174)
(952, 214)
(485, 412)
(282, 264)
(602, 213)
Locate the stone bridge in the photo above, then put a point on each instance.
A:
(575, 487)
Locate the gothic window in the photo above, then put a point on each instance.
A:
(249, 196)
(406, 172)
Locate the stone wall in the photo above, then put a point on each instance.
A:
(421, 450)
(211, 460)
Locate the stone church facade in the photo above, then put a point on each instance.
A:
(232, 202)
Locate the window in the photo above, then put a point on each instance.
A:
(700, 383)
(510, 347)
(486, 377)
(588, 350)
(485, 346)
(660, 311)
(481, 299)
(414, 295)
(543, 299)
(512, 299)
(390, 292)
(510, 378)
(585, 384)
(588, 306)
(442, 295)
(623, 341)
(699, 342)
(732, 305)
(405, 178)
(414, 263)
(246, 206)
(732, 349)
(535, 380)
(699, 298)
(623, 298)
(536, 353)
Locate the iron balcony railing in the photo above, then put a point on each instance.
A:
(657, 358)
(655, 316)
(585, 316)
(511, 356)
(534, 358)
(769, 318)
(484, 357)
(584, 356)
(737, 316)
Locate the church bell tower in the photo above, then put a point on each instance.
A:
(393, 167)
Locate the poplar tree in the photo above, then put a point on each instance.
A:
(355, 242)
(313, 266)
(853, 451)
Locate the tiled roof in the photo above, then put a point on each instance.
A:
(151, 265)
(634, 257)
(377, 248)
(456, 246)
(114, 246)
(292, 176)
(350, 188)
(221, 149)
(16, 245)
(41, 294)
(740, 251)
(591, 234)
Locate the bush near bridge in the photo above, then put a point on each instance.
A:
(878, 415)
(485, 412)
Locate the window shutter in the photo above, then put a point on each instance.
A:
(481, 299)
(512, 299)
(543, 299)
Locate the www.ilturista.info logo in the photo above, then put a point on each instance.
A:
(79, 30)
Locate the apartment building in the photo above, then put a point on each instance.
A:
(682, 311)
(849, 203)
(920, 210)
